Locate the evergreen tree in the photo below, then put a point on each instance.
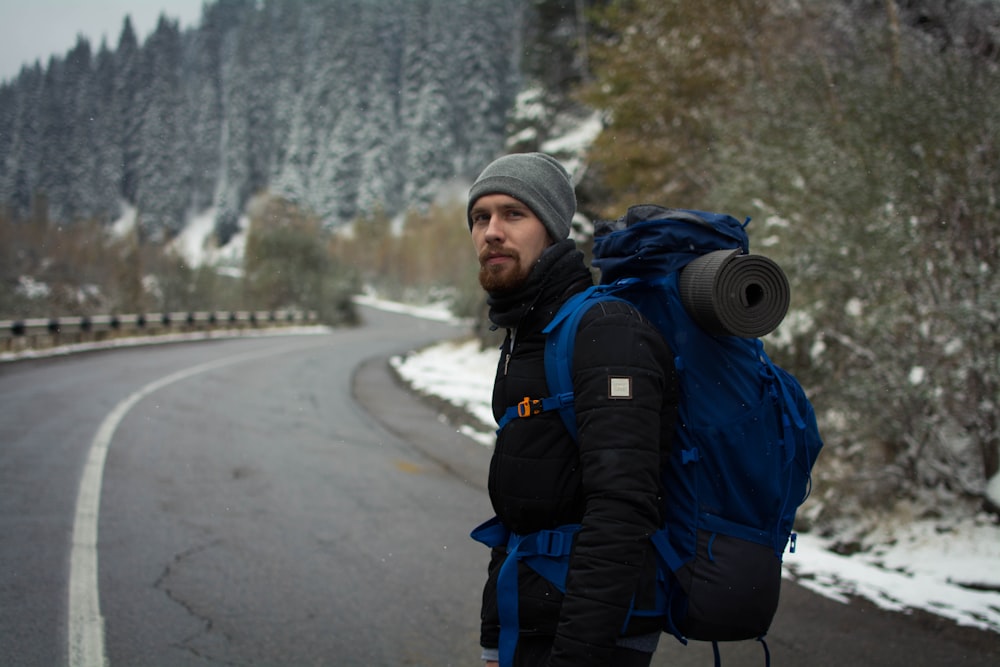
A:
(160, 171)
(82, 97)
(281, 71)
(8, 114)
(20, 159)
(218, 41)
(104, 181)
(486, 80)
(427, 105)
(211, 41)
(54, 175)
(380, 182)
(129, 111)
(330, 92)
(235, 164)
(378, 178)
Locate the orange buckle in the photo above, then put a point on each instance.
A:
(529, 407)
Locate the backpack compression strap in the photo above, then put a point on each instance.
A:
(545, 551)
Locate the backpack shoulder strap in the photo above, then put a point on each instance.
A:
(559, 345)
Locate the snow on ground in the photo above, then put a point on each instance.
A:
(950, 567)
(196, 244)
(458, 372)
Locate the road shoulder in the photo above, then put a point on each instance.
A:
(419, 421)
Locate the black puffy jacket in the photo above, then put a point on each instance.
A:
(608, 481)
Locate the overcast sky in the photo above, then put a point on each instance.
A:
(33, 30)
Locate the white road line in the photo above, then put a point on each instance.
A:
(86, 625)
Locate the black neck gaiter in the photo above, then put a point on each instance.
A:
(559, 267)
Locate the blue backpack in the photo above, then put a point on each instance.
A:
(746, 436)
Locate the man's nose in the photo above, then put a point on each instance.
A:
(494, 230)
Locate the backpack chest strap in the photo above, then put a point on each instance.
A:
(529, 407)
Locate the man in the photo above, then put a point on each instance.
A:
(519, 213)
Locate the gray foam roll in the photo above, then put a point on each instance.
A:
(729, 294)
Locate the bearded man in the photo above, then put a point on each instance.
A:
(606, 484)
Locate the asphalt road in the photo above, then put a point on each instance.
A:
(251, 513)
(281, 501)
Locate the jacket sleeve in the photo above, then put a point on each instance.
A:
(489, 629)
(624, 386)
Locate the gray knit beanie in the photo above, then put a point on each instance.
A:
(535, 179)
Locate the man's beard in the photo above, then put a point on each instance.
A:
(504, 278)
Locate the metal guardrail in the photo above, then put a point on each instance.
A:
(40, 333)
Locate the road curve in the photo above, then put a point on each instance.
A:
(242, 509)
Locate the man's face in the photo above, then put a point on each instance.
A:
(509, 238)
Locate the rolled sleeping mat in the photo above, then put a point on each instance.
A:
(730, 294)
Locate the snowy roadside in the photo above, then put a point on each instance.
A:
(947, 567)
